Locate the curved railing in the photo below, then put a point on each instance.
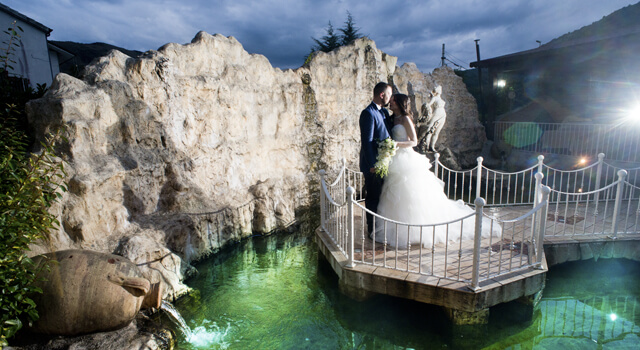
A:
(501, 188)
(583, 201)
(608, 211)
(518, 241)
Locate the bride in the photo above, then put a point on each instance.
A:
(412, 194)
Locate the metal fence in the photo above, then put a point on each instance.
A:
(608, 211)
(621, 142)
(513, 245)
(501, 188)
(596, 200)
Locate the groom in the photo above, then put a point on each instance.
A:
(372, 130)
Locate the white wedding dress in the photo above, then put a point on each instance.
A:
(412, 194)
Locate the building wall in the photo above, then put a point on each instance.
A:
(31, 56)
(55, 63)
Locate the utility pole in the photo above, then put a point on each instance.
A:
(442, 64)
(482, 109)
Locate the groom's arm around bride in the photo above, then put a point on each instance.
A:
(372, 130)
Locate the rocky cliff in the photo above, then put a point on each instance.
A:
(174, 154)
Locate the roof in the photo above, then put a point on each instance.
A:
(618, 25)
(552, 47)
(25, 19)
(63, 54)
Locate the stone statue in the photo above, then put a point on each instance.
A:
(436, 116)
(86, 291)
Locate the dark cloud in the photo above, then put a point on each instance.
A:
(282, 29)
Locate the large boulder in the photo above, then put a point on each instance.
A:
(174, 154)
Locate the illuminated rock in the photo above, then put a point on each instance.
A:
(192, 146)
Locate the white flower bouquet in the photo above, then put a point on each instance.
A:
(386, 151)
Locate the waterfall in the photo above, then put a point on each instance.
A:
(177, 318)
(201, 336)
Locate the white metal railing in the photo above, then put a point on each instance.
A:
(333, 198)
(621, 142)
(583, 201)
(501, 188)
(608, 211)
(517, 246)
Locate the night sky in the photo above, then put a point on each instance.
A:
(282, 30)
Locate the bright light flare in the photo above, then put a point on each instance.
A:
(501, 83)
(634, 114)
(613, 317)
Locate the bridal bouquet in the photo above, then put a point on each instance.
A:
(386, 150)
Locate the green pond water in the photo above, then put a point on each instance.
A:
(277, 293)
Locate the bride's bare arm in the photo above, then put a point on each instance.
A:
(411, 134)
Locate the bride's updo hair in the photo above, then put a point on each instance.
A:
(402, 101)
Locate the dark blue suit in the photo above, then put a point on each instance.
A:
(373, 128)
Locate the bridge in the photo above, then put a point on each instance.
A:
(544, 216)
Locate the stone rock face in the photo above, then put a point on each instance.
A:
(142, 333)
(462, 136)
(173, 154)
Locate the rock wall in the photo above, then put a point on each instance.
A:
(174, 154)
(462, 137)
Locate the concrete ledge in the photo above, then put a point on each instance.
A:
(558, 250)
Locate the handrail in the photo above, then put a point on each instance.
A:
(572, 170)
(589, 192)
(572, 208)
(413, 225)
(511, 173)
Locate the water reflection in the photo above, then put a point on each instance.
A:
(275, 293)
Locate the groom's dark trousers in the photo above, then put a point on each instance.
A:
(372, 130)
(373, 187)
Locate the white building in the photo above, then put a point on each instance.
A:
(36, 60)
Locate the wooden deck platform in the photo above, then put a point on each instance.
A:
(442, 276)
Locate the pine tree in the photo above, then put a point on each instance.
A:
(329, 42)
(349, 31)
(332, 41)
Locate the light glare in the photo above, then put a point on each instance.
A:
(634, 114)
(613, 317)
(501, 83)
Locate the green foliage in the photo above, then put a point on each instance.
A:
(333, 40)
(29, 185)
(349, 31)
(329, 42)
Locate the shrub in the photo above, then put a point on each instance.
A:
(29, 185)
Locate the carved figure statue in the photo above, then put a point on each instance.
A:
(436, 116)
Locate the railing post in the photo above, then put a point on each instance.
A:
(477, 240)
(435, 163)
(323, 201)
(616, 208)
(479, 176)
(543, 225)
(598, 177)
(343, 183)
(540, 162)
(350, 226)
(536, 196)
